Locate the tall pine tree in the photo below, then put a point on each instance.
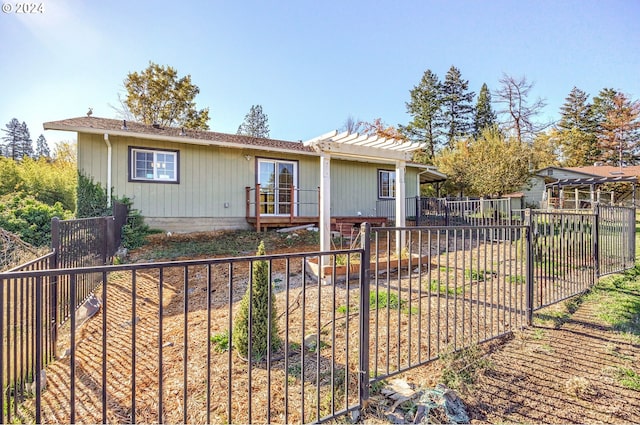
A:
(42, 148)
(12, 139)
(26, 144)
(424, 107)
(576, 112)
(255, 124)
(485, 117)
(457, 105)
(576, 130)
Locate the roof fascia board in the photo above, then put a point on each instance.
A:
(173, 139)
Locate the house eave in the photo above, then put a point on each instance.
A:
(173, 139)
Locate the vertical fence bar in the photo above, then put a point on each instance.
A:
(365, 275)
(38, 368)
(596, 243)
(2, 357)
(529, 222)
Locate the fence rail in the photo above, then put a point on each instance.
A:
(161, 347)
(426, 211)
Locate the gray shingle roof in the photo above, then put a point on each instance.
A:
(96, 125)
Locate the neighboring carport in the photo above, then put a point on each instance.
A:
(593, 183)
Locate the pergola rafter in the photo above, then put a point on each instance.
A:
(366, 147)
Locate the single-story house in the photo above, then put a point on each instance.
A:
(583, 183)
(185, 180)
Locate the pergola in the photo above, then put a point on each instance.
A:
(593, 183)
(356, 146)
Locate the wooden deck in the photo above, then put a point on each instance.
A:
(342, 224)
(266, 222)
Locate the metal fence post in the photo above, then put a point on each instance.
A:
(54, 263)
(38, 349)
(104, 231)
(529, 283)
(596, 243)
(365, 275)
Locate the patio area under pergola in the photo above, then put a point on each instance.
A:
(369, 148)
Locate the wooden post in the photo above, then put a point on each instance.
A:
(325, 202)
(401, 216)
(258, 207)
(292, 190)
(247, 212)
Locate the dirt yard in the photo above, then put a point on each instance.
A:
(545, 374)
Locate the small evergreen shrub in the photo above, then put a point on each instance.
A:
(92, 198)
(31, 219)
(262, 327)
(92, 202)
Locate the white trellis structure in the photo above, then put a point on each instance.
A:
(371, 148)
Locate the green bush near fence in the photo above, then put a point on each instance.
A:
(92, 202)
(260, 302)
(29, 218)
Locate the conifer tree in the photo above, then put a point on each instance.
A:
(576, 112)
(25, 144)
(259, 301)
(457, 105)
(424, 107)
(255, 124)
(42, 148)
(576, 130)
(484, 115)
(12, 139)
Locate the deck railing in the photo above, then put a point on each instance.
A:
(270, 202)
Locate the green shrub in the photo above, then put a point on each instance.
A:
(31, 219)
(92, 202)
(92, 198)
(135, 230)
(47, 181)
(260, 306)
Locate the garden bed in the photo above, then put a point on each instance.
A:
(352, 271)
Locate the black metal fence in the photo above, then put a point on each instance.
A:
(33, 308)
(161, 347)
(83, 242)
(428, 211)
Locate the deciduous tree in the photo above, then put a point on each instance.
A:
(255, 124)
(499, 165)
(157, 95)
(620, 137)
(518, 114)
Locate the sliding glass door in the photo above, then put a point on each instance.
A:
(276, 179)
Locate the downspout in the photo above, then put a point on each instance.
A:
(106, 140)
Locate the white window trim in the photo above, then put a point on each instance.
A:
(295, 182)
(155, 178)
(391, 185)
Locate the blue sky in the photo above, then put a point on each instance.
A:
(310, 64)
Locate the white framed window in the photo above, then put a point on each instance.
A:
(152, 165)
(386, 184)
(277, 178)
